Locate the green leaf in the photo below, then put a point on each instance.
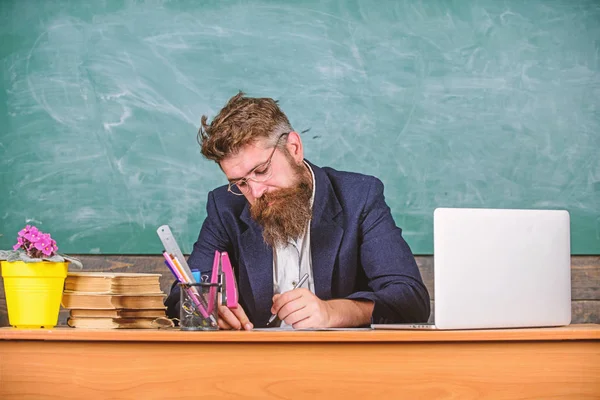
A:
(16, 255)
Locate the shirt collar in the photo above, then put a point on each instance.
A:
(314, 184)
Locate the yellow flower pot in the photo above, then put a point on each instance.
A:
(33, 292)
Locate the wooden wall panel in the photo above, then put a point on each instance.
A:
(585, 278)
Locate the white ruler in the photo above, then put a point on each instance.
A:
(170, 245)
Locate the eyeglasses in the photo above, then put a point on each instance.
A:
(260, 173)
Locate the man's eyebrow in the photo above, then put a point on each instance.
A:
(231, 180)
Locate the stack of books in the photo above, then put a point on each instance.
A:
(107, 300)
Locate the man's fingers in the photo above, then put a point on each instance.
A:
(235, 318)
(293, 312)
(229, 317)
(285, 298)
(223, 325)
(304, 323)
(242, 317)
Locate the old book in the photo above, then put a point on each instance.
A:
(118, 313)
(115, 289)
(111, 323)
(112, 282)
(111, 301)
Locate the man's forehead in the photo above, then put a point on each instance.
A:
(247, 158)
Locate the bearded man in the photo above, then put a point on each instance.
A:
(281, 217)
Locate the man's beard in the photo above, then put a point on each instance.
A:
(289, 211)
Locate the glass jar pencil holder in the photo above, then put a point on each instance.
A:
(198, 306)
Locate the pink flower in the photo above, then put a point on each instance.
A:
(35, 242)
(19, 243)
(47, 250)
(33, 234)
(24, 231)
(43, 241)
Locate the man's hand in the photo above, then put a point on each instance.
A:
(300, 308)
(233, 318)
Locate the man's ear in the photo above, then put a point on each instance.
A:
(294, 146)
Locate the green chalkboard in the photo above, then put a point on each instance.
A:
(451, 103)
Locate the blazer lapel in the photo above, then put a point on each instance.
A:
(257, 257)
(325, 235)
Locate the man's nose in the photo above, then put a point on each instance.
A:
(257, 189)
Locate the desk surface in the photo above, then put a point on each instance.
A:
(571, 332)
(72, 364)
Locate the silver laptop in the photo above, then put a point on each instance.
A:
(496, 268)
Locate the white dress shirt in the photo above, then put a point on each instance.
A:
(292, 260)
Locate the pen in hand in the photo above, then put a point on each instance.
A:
(300, 283)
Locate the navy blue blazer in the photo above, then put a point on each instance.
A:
(357, 250)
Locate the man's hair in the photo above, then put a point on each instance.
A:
(242, 121)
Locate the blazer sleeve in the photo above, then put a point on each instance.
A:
(212, 237)
(398, 292)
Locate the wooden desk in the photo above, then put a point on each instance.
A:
(148, 364)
